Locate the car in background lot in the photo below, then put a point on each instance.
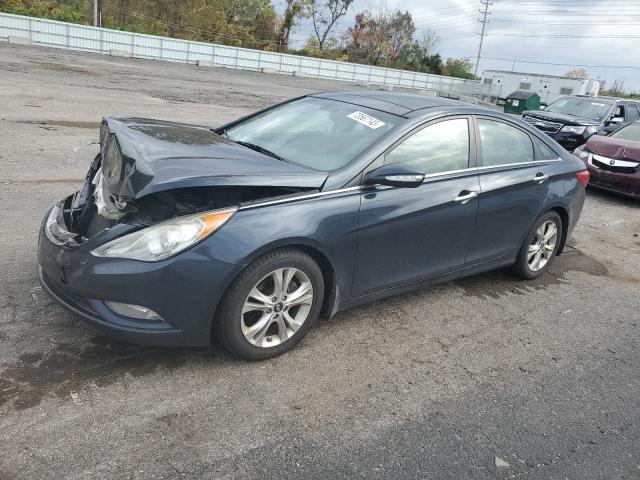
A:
(249, 232)
(614, 160)
(571, 121)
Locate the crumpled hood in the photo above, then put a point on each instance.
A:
(158, 155)
(560, 118)
(614, 148)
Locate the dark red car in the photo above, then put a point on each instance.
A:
(614, 160)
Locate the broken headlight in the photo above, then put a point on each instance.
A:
(165, 239)
(111, 160)
(104, 135)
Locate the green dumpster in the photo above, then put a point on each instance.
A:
(521, 100)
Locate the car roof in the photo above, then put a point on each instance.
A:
(390, 102)
(612, 99)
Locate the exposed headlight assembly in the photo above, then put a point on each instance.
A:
(573, 129)
(581, 152)
(111, 160)
(104, 135)
(165, 239)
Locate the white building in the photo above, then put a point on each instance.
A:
(500, 83)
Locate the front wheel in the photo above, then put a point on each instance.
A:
(271, 305)
(540, 247)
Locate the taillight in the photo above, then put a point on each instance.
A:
(583, 177)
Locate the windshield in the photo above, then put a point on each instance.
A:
(315, 132)
(590, 108)
(630, 132)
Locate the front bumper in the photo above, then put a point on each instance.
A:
(569, 141)
(626, 184)
(184, 290)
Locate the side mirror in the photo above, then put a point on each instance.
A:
(542, 107)
(395, 175)
(602, 133)
(615, 120)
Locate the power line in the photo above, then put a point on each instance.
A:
(632, 67)
(484, 22)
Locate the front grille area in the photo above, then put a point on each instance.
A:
(615, 165)
(544, 125)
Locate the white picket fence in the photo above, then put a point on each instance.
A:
(84, 38)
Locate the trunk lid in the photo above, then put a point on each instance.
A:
(157, 155)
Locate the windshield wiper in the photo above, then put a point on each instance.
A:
(260, 149)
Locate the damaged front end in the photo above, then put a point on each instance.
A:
(148, 172)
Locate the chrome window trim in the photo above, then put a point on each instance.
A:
(535, 162)
(450, 172)
(480, 169)
(360, 187)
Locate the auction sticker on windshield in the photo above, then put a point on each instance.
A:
(367, 120)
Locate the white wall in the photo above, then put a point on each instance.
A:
(549, 88)
(102, 40)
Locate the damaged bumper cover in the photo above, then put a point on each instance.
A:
(82, 283)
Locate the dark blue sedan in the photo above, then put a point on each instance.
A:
(248, 233)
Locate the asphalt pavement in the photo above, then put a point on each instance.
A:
(482, 378)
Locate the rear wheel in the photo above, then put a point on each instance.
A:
(540, 247)
(271, 305)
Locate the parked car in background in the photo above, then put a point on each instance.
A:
(571, 121)
(249, 232)
(614, 160)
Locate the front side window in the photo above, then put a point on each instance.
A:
(317, 133)
(503, 144)
(591, 108)
(630, 132)
(441, 147)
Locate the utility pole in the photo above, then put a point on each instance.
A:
(484, 21)
(95, 13)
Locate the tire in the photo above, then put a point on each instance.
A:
(256, 321)
(526, 266)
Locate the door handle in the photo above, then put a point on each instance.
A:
(464, 196)
(540, 178)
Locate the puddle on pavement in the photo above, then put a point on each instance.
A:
(68, 368)
(500, 282)
(60, 123)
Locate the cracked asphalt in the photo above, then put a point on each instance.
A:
(483, 378)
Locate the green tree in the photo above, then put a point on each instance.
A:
(324, 15)
(458, 67)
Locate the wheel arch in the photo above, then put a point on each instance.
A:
(564, 217)
(331, 298)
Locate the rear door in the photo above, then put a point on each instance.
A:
(408, 234)
(515, 173)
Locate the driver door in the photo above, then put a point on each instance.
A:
(409, 234)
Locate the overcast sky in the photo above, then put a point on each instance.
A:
(525, 29)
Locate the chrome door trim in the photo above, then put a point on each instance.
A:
(299, 198)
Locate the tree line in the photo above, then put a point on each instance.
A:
(382, 37)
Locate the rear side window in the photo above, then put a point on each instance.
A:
(441, 147)
(544, 151)
(631, 113)
(503, 144)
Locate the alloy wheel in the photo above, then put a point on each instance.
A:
(276, 307)
(542, 246)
